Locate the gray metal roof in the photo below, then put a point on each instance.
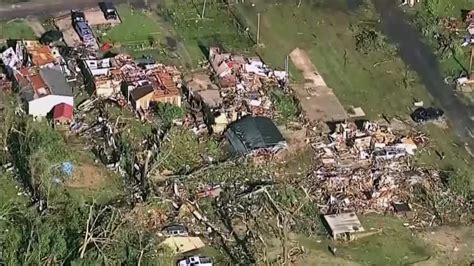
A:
(56, 82)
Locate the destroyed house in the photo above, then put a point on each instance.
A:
(226, 66)
(41, 89)
(162, 82)
(104, 78)
(166, 90)
(41, 55)
(254, 133)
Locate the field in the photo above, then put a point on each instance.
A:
(216, 28)
(15, 30)
(136, 26)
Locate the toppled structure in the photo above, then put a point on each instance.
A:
(244, 87)
(103, 76)
(140, 84)
(364, 167)
(244, 83)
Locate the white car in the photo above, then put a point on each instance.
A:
(195, 261)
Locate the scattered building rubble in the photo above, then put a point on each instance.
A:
(243, 89)
(367, 167)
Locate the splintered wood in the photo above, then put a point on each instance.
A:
(368, 167)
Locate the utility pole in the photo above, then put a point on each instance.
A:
(203, 9)
(258, 28)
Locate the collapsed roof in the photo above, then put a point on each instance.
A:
(252, 133)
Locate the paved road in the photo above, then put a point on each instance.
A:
(46, 8)
(420, 57)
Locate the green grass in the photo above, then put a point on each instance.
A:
(15, 30)
(9, 191)
(326, 36)
(394, 245)
(137, 26)
(218, 27)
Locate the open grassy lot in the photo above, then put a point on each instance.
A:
(374, 81)
(136, 26)
(15, 30)
(197, 32)
(379, 81)
(387, 242)
(144, 33)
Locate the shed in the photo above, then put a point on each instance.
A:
(343, 224)
(63, 113)
(252, 133)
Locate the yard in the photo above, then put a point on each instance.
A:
(15, 30)
(137, 26)
(197, 31)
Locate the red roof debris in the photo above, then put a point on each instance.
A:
(41, 55)
(62, 112)
(37, 82)
(106, 47)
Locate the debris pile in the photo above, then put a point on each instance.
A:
(365, 167)
(244, 88)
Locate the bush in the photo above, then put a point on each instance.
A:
(368, 40)
(167, 113)
(285, 105)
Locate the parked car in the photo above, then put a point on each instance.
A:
(175, 230)
(109, 10)
(77, 16)
(195, 261)
(422, 114)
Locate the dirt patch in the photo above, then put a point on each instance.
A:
(70, 36)
(88, 175)
(317, 100)
(36, 26)
(302, 62)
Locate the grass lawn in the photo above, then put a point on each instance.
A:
(378, 82)
(394, 245)
(218, 27)
(136, 26)
(9, 191)
(15, 30)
